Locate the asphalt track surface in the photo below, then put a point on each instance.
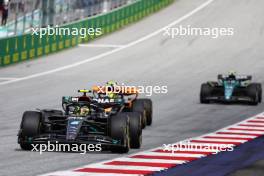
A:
(182, 64)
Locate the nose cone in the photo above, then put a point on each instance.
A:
(227, 97)
(73, 128)
(228, 92)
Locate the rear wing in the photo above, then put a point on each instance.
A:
(239, 77)
(121, 90)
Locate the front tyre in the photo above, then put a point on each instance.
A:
(253, 93)
(30, 128)
(205, 92)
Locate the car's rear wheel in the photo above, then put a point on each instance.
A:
(135, 129)
(148, 108)
(253, 92)
(205, 92)
(119, 130)
(30, 128)
(260, 92)
(138, 105)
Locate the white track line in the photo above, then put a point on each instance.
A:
(7, 78)
(100, 56)
(101, 45)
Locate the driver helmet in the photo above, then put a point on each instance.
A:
(232, 75)
(111, 85)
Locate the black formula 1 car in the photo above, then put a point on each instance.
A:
(84, 122)
(103, 108)
(231, 88)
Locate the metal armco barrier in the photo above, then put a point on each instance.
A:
(28, 46)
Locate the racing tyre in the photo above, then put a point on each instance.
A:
(148, 108)
(119, 130)
(253, 92)
(30, 127)
(205, 92)
(260, 92)
(135, 129)
(139, 106)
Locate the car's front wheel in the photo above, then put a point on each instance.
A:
(30, 128)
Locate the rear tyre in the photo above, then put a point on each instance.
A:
(148, 108)
(253, 92)
(260, 92)
(138, 105)
(119, 130)
(30, 127)
(135, 129)
(205, 92)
